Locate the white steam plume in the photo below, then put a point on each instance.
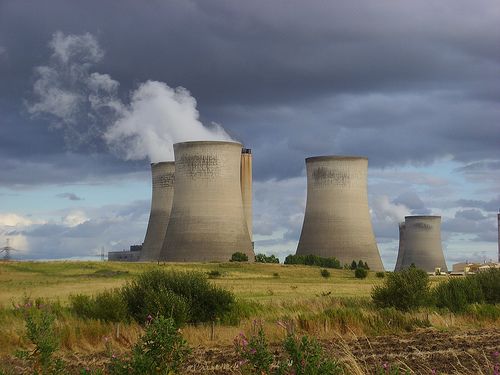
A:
(86, 105)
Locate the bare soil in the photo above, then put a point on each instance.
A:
(426, 351)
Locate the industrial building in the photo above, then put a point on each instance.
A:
(337, 220)
(421, 244)
(162, 175)
(208, 220)
(131, 255)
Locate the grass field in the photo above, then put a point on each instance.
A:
(328, 308)
(253, 281)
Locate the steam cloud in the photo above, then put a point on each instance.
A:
(87, 107)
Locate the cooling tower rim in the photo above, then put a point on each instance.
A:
(163, 163)
(208, 143)
(313, 159)
(422, 217)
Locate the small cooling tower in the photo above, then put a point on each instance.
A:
(401, 249)
(337, 219)
(246, 187)
(422, 243)
(207, 222)
(161, 204)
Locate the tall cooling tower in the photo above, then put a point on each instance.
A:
(207, 222)
(337, 219)
(246, 187)
(422, 243)
(401, 249)
(161, 203)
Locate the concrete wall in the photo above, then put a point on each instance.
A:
(163, 176)
(246, 187)
(422, 243)
(207, 222)
(337, 220)
(401, 249)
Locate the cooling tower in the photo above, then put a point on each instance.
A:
(246, 187)
(422, 243)
(161, 204)
(207, 222)
(401, 247)
(337, 219)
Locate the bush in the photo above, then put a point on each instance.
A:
(325, 273)
(40, 331)
(313, 260)
(108, 306)
(403, 290)
(263, 258)
(214, 274)
(255, 352)
(457, 294)
(380, 275)
(239, 257)
(489, 282)
(181, 292)
(360, 273)
(354, 265)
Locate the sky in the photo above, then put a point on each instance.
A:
(93, 91)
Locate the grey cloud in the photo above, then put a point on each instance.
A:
(70, 196)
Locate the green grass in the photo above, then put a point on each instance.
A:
(252, 281)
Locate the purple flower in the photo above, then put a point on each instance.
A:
(496, 354)
(149, 318)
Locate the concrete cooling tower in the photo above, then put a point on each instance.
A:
(161, 204)
(207, 222)
(246, 187)
(401, 249)
(337, 219)
(422, 243)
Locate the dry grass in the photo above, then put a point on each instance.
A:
(333, 309)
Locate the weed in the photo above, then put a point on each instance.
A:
(162, 350)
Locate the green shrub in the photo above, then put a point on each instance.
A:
(360, 273)
(213, 274)
(457, 294)
(354, 265)
(263, 258)
(108, 306)
(403, 290)
(489, 282)
(325, 273)
(380, 275)
(40, 331)
(204, 301)
(239, 257)
(313, 260)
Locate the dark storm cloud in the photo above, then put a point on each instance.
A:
(397, 82)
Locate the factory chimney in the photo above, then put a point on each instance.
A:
(161, 203)
(207, 222)
(246, 187)
(337, 219)
(401, 249)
